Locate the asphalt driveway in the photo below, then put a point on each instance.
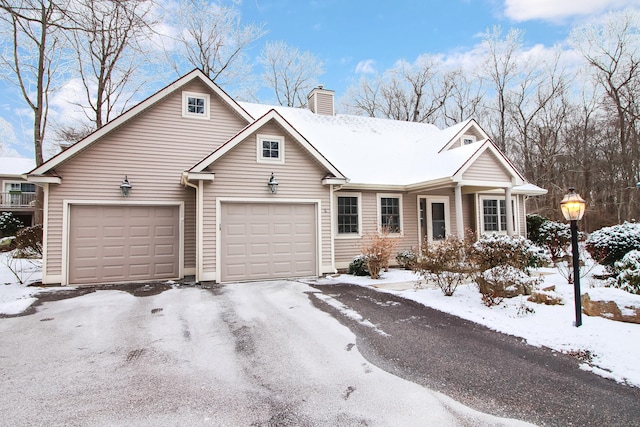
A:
(486, 370)
(257, 354)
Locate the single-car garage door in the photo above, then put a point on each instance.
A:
(267, 241)
(109, 244)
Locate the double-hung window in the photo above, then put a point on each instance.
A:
(390, 212)
(494, 215)
(348, 220)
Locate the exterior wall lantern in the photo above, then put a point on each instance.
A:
(273, 184)
(125, 187)
(573, 207)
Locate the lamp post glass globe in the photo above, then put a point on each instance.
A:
(573, 206)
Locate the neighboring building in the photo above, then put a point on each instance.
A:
(196, 167)
(18, 196)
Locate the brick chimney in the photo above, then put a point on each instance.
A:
(321, 101)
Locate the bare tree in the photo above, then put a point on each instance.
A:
(612, 50)
(108, 54)
(32, 53)
(415, 92)
(501, 68)
(211, 37)
(465, 97)
(290, 73)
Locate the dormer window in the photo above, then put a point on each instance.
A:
(468, 139)
(195, 105)
(270, 149)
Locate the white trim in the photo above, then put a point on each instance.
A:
(465, 138)
(252, 128)
(41, 179)
(66, 216)
(332, 227)
(429, 200)
(400, 213)
(46, 278)
(185, 105)
(480, 209)
(260, 138)
(318, 214)
(516, 177)
(141, 107)
(457, 137)
(345, 236)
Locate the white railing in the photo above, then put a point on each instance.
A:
(17, 199)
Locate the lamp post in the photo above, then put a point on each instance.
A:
(573, 209)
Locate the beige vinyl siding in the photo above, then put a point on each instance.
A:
(487, 168)
(152, 150)
(238, 175)
(471, 131)
(469, 211)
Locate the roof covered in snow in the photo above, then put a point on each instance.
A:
(16, 165)
(378, 151)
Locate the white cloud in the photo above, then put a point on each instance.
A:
(555, 10)
(366, 67)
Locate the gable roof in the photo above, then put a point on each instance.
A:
(271, 115)
(382, 152)
(134, 111)
(453, 133)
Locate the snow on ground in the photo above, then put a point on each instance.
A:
(15, 298)
(612, 346)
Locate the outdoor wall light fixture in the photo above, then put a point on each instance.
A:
(125, 187)
(573, 209)
(273, 184)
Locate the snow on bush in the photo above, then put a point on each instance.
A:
(406, 259)
(611, 244)
(446, 263)
(556, 238)
(515, 251)
(358, 266)
(628, 269)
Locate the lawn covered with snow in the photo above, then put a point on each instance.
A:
(608, 348)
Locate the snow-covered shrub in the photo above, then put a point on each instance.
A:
(29, 242)
(514, 251)
(9, 224)
(406, 259)
(628, 269)
(556, 238)
(358, 266)
(446, 263)
(611, 244)
(505, 281)
(377, 250)
(534, 222)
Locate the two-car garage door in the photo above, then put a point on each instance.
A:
(110, 244)
(267, 240)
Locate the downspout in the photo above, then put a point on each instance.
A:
(198, 188)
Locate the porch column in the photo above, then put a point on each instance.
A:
(459, 219)
(508, 210)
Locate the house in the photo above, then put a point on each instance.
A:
(18, 196)
(191, 182)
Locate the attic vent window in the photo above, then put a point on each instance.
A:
(195, 105)
(467, 139)
(270, 149)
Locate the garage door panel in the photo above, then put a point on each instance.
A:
(273, 233)
(143, 245)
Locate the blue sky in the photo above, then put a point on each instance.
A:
(352, 37)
